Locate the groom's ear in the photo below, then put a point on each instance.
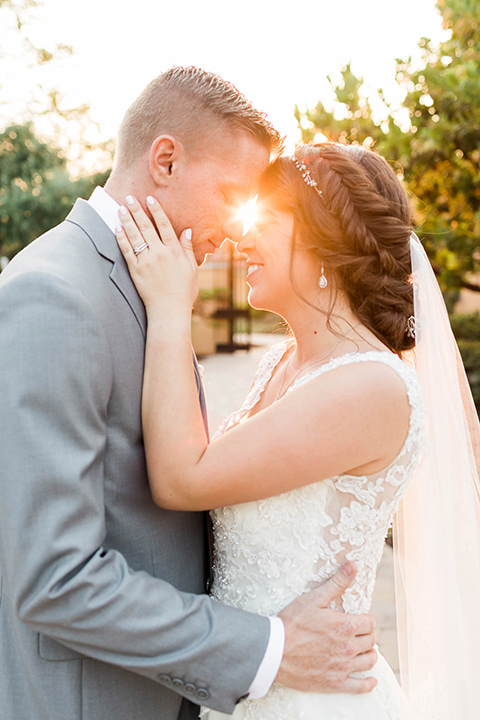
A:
(164, 154)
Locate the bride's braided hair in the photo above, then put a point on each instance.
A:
(359, 229)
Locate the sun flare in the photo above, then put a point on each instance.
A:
(247, 215)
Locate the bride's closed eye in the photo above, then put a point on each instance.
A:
(264, 218)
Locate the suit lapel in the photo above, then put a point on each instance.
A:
(104, 241)
(201, 393)
(121, 277)
(83, 215)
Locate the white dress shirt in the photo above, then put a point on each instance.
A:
(107, 208)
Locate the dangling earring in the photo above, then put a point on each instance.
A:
(323, 282)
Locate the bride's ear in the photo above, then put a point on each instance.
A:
(164, 154)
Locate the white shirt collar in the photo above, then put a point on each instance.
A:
(106, 207)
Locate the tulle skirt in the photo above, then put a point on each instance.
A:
(386, 702)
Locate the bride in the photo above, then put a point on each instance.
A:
(311, 470)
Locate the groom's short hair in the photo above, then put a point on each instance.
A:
(188, 103)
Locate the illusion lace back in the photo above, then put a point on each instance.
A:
(269, 552)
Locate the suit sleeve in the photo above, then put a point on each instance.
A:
(64, 584)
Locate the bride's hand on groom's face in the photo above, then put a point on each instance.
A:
(162, 266)
(323, 647)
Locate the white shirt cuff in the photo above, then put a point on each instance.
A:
(270, 665)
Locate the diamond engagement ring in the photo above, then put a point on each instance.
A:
(140, 249)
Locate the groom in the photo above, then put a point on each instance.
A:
(102, 605)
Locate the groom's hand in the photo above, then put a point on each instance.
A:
(323, 647)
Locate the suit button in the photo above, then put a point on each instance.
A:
(177, 683)
(165, 679)
(189, 688)
(202, 694)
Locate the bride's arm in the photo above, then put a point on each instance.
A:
(166, 277)
(318, 431)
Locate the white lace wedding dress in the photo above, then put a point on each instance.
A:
(269, 552)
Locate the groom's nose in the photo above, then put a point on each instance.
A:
(233, 231)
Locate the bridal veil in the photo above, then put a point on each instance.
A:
(437, 529)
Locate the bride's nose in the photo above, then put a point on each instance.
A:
(247, 242)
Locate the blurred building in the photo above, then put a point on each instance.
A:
(222, 318)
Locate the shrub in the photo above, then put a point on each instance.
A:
(466, 328)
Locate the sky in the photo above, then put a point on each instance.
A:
(277, 53)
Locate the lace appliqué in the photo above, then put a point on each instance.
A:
(269, 552)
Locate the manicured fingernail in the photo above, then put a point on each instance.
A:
(150, 200)
(347, 570)
(188, 233)
(123, 210)
(119, 229)
(130, 199)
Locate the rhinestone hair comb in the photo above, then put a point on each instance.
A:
(308, 179)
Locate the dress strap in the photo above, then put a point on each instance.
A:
(393, 361)
(264, 372)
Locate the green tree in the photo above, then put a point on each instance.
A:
(36, 191)
(15, 16)
(70, 127)
(439, 152)
(36, 185)
(350, 120)
(467, 331)
(442, 156)
(18, 8)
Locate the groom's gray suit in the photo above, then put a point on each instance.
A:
(100, 612)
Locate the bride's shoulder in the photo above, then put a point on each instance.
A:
(374, 380)
(386, 370)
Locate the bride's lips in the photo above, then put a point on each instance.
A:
(253, 268)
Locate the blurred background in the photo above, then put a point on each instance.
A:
(403, 78)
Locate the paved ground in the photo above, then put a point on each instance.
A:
(227, 380)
